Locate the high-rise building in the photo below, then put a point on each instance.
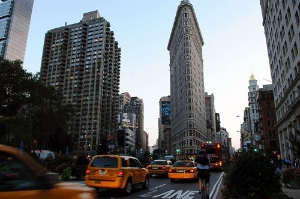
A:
(137, 106)
(210, 117)
(124, 98)
(83, 60)
(188, 120)
(127, 133)
(252, 103)
(164, 125)
(15, 16)
(281, 21)
(266, 136)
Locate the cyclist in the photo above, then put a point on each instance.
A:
(203, 171)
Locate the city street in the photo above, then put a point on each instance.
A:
(161, 187)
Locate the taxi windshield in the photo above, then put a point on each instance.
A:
(183, 164)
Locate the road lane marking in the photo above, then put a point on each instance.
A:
(182, 194)
(213, 193)
(158, 186)
(152, 190)
(187, 194)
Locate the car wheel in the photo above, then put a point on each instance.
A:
(128, 187)
(146, 183)
(172, 180)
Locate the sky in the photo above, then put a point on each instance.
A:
(234, 49)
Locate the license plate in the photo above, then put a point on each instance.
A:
(180, 171)
(102, 172)
(97, 182)
(155, 168)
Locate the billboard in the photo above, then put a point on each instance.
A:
(165, 112)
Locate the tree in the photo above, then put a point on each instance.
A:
(252, 175)
(34, 112)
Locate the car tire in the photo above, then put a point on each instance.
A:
(128, 187)
(146, 183)
(172, 180)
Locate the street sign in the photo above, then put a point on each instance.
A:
(111, 146)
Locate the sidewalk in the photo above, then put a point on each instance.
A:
(291, 193)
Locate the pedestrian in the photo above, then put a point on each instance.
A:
(279, 163)
(288, 162)
(203, 172)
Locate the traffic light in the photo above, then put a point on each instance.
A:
(177, 150)
(255, 150)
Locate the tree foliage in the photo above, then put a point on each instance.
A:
(252, 175)
(31, 111)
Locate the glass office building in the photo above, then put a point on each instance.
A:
(15, 18)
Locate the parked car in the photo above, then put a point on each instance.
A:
(159, 167)
(183, 169)
(116, 172)
(22, 176)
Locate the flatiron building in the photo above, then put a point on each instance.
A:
(188, 114)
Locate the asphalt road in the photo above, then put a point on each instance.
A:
(161, 187)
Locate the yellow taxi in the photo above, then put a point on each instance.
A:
(21, 176)
(116, 172)
(183, 169)
(159, 167)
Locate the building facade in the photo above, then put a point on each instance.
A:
(164, 125)
(136, 106)
(127, 133)
(83, 60)
(252, 103)
(15, 16)
(267, 138)
(210, 117)
(281, 21)
(188, 119)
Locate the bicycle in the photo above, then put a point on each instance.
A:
(203, 192)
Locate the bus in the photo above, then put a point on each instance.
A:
(217, 153)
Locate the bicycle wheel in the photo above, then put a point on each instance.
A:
(203, 195)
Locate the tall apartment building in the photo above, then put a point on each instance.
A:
(188, 120)
(281, 21)
(15, 16)
(164, 125)
(210, 117)
(83, 60)
(265, 128)
(124, 98)
(136, 106)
